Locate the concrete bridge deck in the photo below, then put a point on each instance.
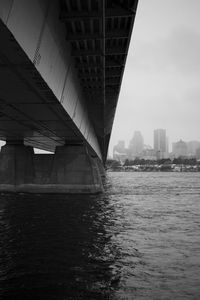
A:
(61, 68)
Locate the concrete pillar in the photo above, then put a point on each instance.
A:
(101, 167)
(99, 164)
(43, 164)
(74, 171)
(16, 166)
(70, 170)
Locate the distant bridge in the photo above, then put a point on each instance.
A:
(61, 68)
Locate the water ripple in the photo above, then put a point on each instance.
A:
(139, 240)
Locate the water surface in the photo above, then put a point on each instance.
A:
(139, 240)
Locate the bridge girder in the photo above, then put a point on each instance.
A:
(61, 69)
(99, 34)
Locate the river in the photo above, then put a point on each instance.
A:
(138, 240)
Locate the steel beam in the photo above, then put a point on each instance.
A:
(110, 13)
(120, 34)
(98, 52)
(109, 64)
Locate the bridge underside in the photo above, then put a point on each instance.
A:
(99, 33)
(61, 68)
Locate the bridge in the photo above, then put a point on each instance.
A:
(61, 69)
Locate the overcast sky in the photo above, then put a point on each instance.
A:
(161, 83)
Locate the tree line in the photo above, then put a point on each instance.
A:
(138, 161)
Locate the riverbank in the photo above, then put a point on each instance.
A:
(155, 168)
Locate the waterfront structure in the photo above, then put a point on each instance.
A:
(62, 64)
(179, 149)
(136, 145)
(160, 143)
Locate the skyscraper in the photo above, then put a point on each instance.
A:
(136, 145)
(160, 143)
(119, 151)
(179, 148)
(192, 146)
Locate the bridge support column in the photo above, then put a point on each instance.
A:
(74, 171)
(70, 170)
(16, 166)
(99, 165)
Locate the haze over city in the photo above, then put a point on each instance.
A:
(160, 88)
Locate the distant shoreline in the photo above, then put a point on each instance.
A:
(154, 171)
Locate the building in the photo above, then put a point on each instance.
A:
(120, 147)
(136, 145)
(120, 152)
(192, 146)
(179, 149)
(197, 153)
(160, 143)
(149, 154)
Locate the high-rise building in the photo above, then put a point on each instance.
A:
(197, 153)
(160, 143)
(119, 151)
(192, 146)
(167, 146)
(120, 147)
(136, 145)
(179, 149)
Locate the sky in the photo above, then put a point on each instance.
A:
(161, 83)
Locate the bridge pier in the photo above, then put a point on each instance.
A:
(16, 166)
(99, 165)
(73, 170)
(70, 170)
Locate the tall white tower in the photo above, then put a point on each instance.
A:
(160, 143)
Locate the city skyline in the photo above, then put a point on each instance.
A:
(160, 88)
(136, 147)
(170, 142)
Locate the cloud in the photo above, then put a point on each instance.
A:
(160, 87)
(192, 96)
(183, 48)
(179, 51)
